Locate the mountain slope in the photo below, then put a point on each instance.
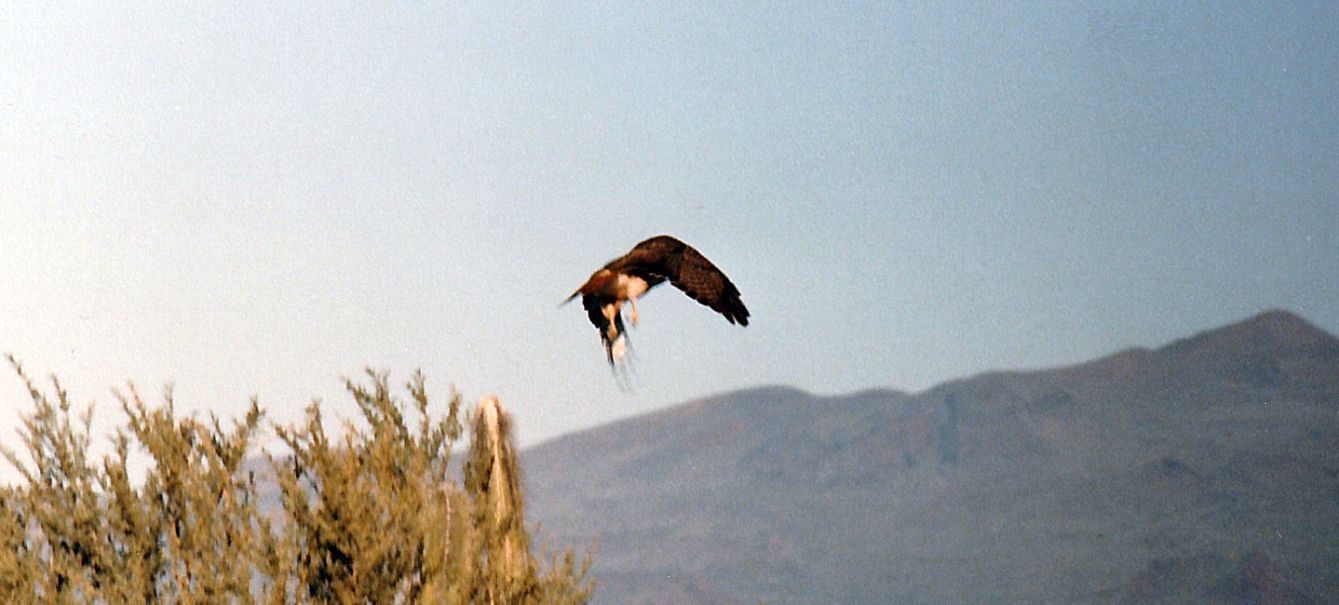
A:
(1204, 470)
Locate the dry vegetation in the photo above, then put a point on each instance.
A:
(369, 517)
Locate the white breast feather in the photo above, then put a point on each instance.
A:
(631, 286)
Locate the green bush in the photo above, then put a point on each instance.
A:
(371, 516)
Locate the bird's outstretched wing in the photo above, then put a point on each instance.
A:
(664, 257)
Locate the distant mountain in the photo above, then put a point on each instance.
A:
(1206, 471)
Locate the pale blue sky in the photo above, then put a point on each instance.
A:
(255, 198)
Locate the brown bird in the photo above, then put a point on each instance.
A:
(648, 265)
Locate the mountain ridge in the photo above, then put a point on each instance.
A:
(1119, 362)
(1147, 475)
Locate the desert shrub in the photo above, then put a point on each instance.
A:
(369, 516)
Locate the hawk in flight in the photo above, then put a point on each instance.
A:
(648, 265)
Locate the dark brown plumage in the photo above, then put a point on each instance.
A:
(649, 264)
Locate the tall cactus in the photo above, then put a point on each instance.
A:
(492, 477)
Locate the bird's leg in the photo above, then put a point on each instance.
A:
(611, 314)
(632, 302)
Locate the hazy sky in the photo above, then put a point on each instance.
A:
(257, 197)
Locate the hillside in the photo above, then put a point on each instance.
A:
(1205, 470)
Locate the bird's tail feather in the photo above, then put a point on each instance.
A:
(618, 349)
